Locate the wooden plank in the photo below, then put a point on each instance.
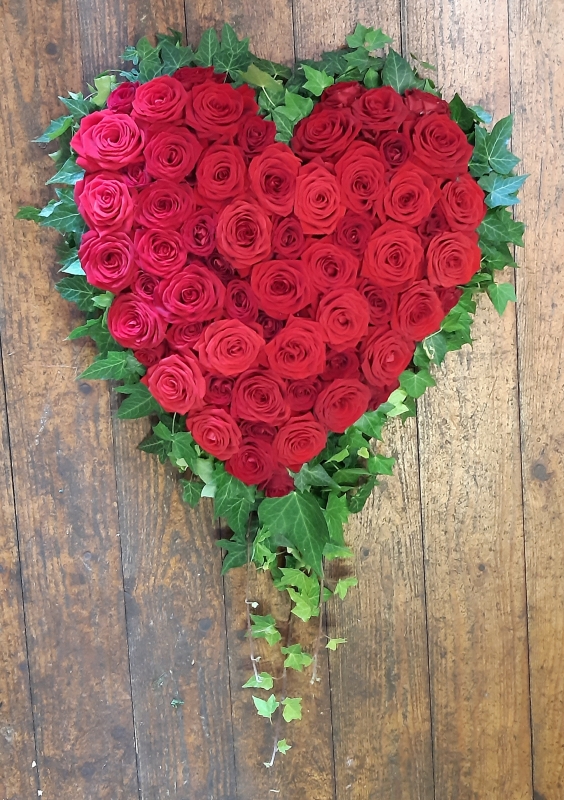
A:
(172, 571)
(62, 452)
(471, 482)
(18, 777)
(537, 84)
(381, 674)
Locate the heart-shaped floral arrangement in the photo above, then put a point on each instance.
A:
(270, 259)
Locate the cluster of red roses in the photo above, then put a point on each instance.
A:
(274, 293)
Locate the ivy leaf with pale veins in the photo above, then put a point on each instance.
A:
(139, 403)
(358, 500)
(266, 708)
(264, 627)
(371, 423)
(292, 708)
(315, 475)
(62, 214)
(499, 157)
(69, 174)
(343, 585)
(435, 346)
(116, 365)
(336, 515)
(317, 80)
(299, 517)
(464, 116)
(175, 56)
(76, 289)
(502, 191)
(398, 73)
(30, 213)
(236, 549)
(191, 492)
(498, 226)
(295, 657)
(56, 128)
(264, 681)
(381, 465)
(76, 104)
(501, 294)
(415, 383)
(158, 447)
(209, 46)
(284, 125)
(234, 501)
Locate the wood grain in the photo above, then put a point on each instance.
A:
(61, 444)
(537, 40)
(471, 483)
(18, 777)
(381, 674)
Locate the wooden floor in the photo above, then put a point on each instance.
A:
(451, 685)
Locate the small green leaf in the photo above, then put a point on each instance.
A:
(292, 708)
(264, 681)
(176, 702)
(398, 73)
(371, 423)
(501, 294)
(381, 465)
(56, 128)
(265, 628)
(284, 124)
(315, 475)
(69, 174)
(191, 492)
(257, 77)
(357, 38)
(234, 501)
(336, 515)
(209, 46)
(343, 586)
(415, 383)
(332, 644)
(372, 78)
(358, 500)
(29, 212)
(75, 289)
(376, 39)
(462, 114)
(174, 57)
(283, 746)
(299, 106)
(104, 85)
(435, 346)
(499, 226)
(332, 551)
(317, 80)
(272, 68)
(114, 366)
(237, 550)
(295, 657)
(266, 708)
(139, 403)
(152, 444)
(503, 191)
(76, 104)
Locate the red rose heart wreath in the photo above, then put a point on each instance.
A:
(271, 259)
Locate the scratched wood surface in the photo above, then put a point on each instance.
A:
(111, 600)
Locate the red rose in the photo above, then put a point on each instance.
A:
(260, 396)
(453, 258)
(171, 152)
(327, 133)
(298, 351)
(380, 109)
(214, 110)
(199, 232)
(121, 98)
(299, 440)
(222, 268)
(273, 178)
(136, 175)
(159, 100)
(344, 316)
(255, 134)
(281, 287)
(463, 203)
(288, 240)
(107, 260)
(228, 347)
(385, 357)
(330, 266)
(218, 390)
(419, 312)
(244, 234)
(134, 323)
(240, 301)
(318, 203)
(221, 174)
(195, 294)
(253, 463)
(145, 285)
(193, 76)
(380, 395)
(164, 204)
(441, 146)
(381, 302)
(435, 223)
(105, 202)
(302, 394)
(216, 432)
(343, 364)
(396, 148)
(269, 325)
(362, 175)
(183, 336)
(420, 102)
(106, 140)
(342, 94)
(353, 232)
(410, 196)
(258, 431)
(176, 383)
(343, 402)
(394, 257)
(279, 484)
(449, 297)
(161, 252)
(149, 356)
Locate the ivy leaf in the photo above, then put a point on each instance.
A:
(254, 76)
(272, 68)
(209, 46)
(499, 157)
(284, 125)
(295, 657)
(70, 173)
(331, 551)
(116, 365)
(265, 628)
(104, 85)
(28, 212)
(291, 576)
(139, 403)
(152, 444)
(174, 57)
(313, 476)
(336, 515)
(497, 257)
(381, 465)
(376, 39)
(415, 383)
(317, 80)
(332, 644)
(56, 128)
(191, 492)
(499, 226)
(464, 116)
(503, 191)
(292, 708)
(372, 78)
(435, 346)
(306, 602)
(234, 501)
(283, 746)
(183, 453)
(358, 500)
(299, 517)
(343, 586)
(298, 106)
(371, 423)
(264, 681)
(62, 215)
(236, 548)
(398, 74)
(77, 290)
(479, 164)
(266, 708)
(357, 38)
(501, 294)
(76, 104)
